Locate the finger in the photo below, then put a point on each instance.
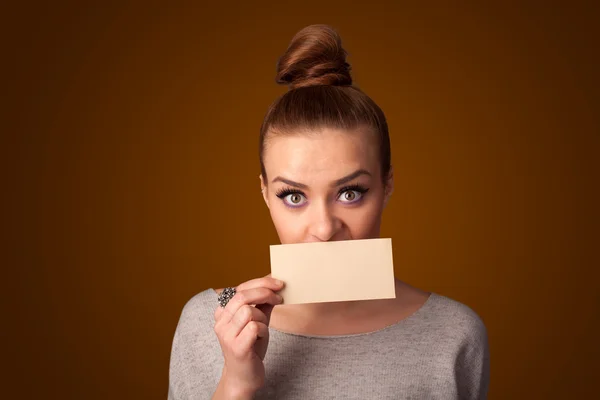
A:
(250, 334)
(257, 296)
(243, 317)
(266, 281)
(218, 312)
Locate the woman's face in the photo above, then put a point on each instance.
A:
(324, 186)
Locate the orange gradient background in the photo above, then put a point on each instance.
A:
(132, 177)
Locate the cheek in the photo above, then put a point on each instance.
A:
(364, 222)
(286, 223)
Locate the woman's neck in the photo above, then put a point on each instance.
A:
(336, 318)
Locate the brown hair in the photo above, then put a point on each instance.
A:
(321, 93)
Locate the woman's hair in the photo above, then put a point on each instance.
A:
(321, 94)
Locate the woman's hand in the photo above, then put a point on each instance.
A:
(242, 329)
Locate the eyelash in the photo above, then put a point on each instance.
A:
(286, 191)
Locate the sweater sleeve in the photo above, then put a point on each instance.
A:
(196, 360)
(177, 389)
(473, 362)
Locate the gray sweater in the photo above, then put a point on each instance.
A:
(439, 352)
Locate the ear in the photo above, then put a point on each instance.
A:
(389, 186)
(263, 189)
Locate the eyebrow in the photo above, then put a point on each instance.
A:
(338, 182)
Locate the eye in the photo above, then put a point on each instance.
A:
(291, 197)
(294, 199)
(352, 194)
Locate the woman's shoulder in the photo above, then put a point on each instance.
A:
(198, 311)
(445, 314)
(205, 298)
(455, 317)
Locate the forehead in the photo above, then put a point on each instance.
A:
(326, 154)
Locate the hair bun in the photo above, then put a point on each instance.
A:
(314, 57)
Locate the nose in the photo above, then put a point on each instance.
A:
(324, 224)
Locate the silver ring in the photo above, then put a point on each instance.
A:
(226, 295)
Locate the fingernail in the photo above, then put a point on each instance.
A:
(277, 281)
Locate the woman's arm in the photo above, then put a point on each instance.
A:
(473, 364)
(191, 365)
(177, 388)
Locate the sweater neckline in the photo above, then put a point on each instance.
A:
(424, 307)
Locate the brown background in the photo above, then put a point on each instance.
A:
(132, 177)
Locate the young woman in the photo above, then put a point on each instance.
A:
(325, 175)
